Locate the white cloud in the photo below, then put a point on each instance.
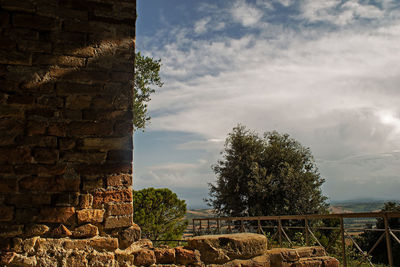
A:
(335, 91)
(335, 12)
(201, 25)
(246, 14)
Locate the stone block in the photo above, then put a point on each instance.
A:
(15, 58)
(118, 222)
(78, 101)
(36, 127)
(119, 180)
(165, 255)
(101, 197)
(61, 231)
(223, 248)
(129, 236)
(186, 257)
(66, 143)
(120, 156)
(57, 129)
(86, 201)
(26, 215)
(25, 6)
(15, 155)
(8, 186)
(34, 22)
(36, 229)
(105, 144)
(44, 155)
(57, 215)
(144, 257)
(84, 231)
(104, 243)
(119, 209)
(6, 213)
(90, 215)
(90, 128)
(84, 157)
(11, 230)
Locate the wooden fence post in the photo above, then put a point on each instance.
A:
(343, 242)
(280, 231)
(307, 232)
(388, 243)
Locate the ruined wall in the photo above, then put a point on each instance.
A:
(66, 70)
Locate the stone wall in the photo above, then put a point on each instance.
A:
(66, 71)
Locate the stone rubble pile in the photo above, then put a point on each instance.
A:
(234, 250)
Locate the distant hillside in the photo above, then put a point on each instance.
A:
(338, 207)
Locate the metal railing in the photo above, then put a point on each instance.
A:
(239, 224)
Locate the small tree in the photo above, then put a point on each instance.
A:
(269, 175)
(147, 75)
(159, 212)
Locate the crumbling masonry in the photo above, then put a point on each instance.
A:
(66, 71)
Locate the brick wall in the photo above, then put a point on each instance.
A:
(66, 70)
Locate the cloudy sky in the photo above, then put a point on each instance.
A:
(327, 72)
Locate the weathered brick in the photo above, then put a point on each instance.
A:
(90, 128)
(4, 19)
(21, 100)
(50, 101)
(10, 230)
(86, 76)
(29, 200)
(107, 168)
(41, 141)
(118, 222)
(105, 144)
(6, 213)
(7, 43)
(8, 185)
(91, 185)
(66, 144)
(45, 155)
(57, 129)
(34, 46)
(119, 209)
(65, 199)
(34, 22)
(96, 115)
(85, 231)
(100, 197)
(15, 58)
(119, 180)
(67, 88)
(67, 61)
(36, 127)
(57, 215)
(15, 155)
(40, 113)
(78, 101)
(73, 115)
(27, 215)
(84, 157)
(90, 215)
(48, 184)
(26, 6)
(120, 156)
(85, 201)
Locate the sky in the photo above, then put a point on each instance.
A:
(327, 72)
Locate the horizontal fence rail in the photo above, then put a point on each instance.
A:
(306, 224)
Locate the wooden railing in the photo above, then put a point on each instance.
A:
(305, 223)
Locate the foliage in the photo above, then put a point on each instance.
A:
(368, 238)
(269, 175)
(147, 75)
(159, 212)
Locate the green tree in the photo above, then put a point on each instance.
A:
(147, 76)
(269, 175)
(159, 212)
(368, 238)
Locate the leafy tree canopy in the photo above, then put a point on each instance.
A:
(269, 175)
(147, 75)
(159, 212)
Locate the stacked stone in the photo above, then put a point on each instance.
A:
(66, 71)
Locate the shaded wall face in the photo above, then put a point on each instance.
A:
(66, 71)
